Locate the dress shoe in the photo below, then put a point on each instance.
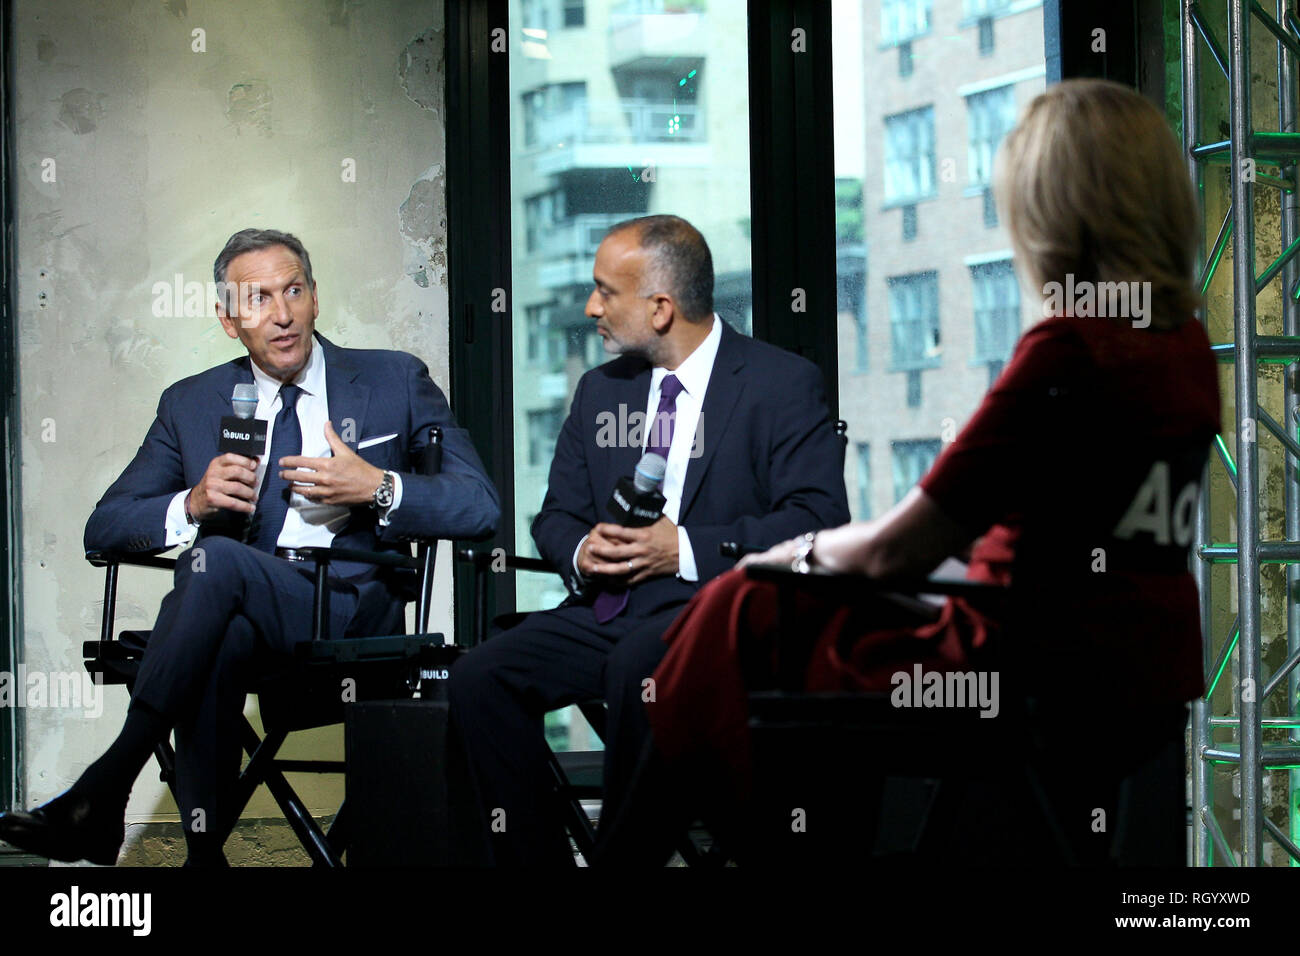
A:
(68, 828)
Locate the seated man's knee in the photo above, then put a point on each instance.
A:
(471, 676)
(212, 559)
(633, 660)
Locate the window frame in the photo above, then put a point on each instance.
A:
(792, 189)
(890, 163)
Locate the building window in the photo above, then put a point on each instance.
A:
(909, 222)
(851, 288)
(986, 36)
(534, 107)
(864, 481)
(912, 459)
(990, 209)
(909, 155)
(543, 428)
(556, 114)
(983, 8)
(534, 14)
(546, 345)
(996, 297)
(541, 213)
(575, 13)
(991, 116)
(900, 20)
(905, 58)
(914, 388)
(914, 320)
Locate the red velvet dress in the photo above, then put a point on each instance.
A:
(1078, 473)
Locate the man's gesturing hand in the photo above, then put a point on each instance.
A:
(345, 479)
(634, 554)
(228, 483)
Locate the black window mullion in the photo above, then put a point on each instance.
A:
(478, 262)
(792, 160)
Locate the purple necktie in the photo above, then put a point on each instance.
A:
(659, 438)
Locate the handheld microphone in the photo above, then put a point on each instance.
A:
(637, 501)
(241, 433)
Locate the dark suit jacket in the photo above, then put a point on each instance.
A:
(770, 465)
(382, 391)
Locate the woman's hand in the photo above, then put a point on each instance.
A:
(833, 549)
(908, 541)
(782, 553)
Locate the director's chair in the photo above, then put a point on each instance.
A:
(305, 692)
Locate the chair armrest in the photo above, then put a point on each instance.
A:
(482, 559)
(142, 559)
(383, 559)
(852, 587)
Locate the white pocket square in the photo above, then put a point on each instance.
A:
(375, 441)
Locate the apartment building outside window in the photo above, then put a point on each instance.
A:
(901, 20)
(912, 459)
(914, 320)
(996, 296)
(909, 156)
(863, 511)
(982, 8)
(991, 115)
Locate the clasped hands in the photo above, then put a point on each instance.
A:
(630, 554)
(342, 479)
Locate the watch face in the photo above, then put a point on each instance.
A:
(384, 495)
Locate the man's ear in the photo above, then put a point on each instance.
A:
(227, 322)
(665, 310)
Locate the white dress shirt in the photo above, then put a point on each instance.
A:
(688, 437)
(307, 523)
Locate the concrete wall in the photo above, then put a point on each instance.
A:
(148, 132)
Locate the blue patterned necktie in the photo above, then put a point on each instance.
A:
(273, 504)
(610, 604)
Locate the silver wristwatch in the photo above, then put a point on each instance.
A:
(384, 493)
(803, 561)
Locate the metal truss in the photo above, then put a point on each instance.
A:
(1251, 155)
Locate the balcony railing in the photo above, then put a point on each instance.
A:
(627, 121)
(577, 236)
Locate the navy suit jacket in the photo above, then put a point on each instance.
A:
(770, 466)
(381, 391)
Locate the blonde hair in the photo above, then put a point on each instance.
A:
(1092, 184)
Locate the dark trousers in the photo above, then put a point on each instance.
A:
(501, 691)
(232, 612)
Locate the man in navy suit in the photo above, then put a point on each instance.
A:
(347, 427)
(752, 457)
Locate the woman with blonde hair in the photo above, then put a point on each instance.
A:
(1075, 483)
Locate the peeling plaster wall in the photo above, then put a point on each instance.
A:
(142, 145)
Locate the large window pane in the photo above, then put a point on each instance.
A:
(622, 109)
(929, 310)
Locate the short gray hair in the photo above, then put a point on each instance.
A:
(251, 240)
(679, 261)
